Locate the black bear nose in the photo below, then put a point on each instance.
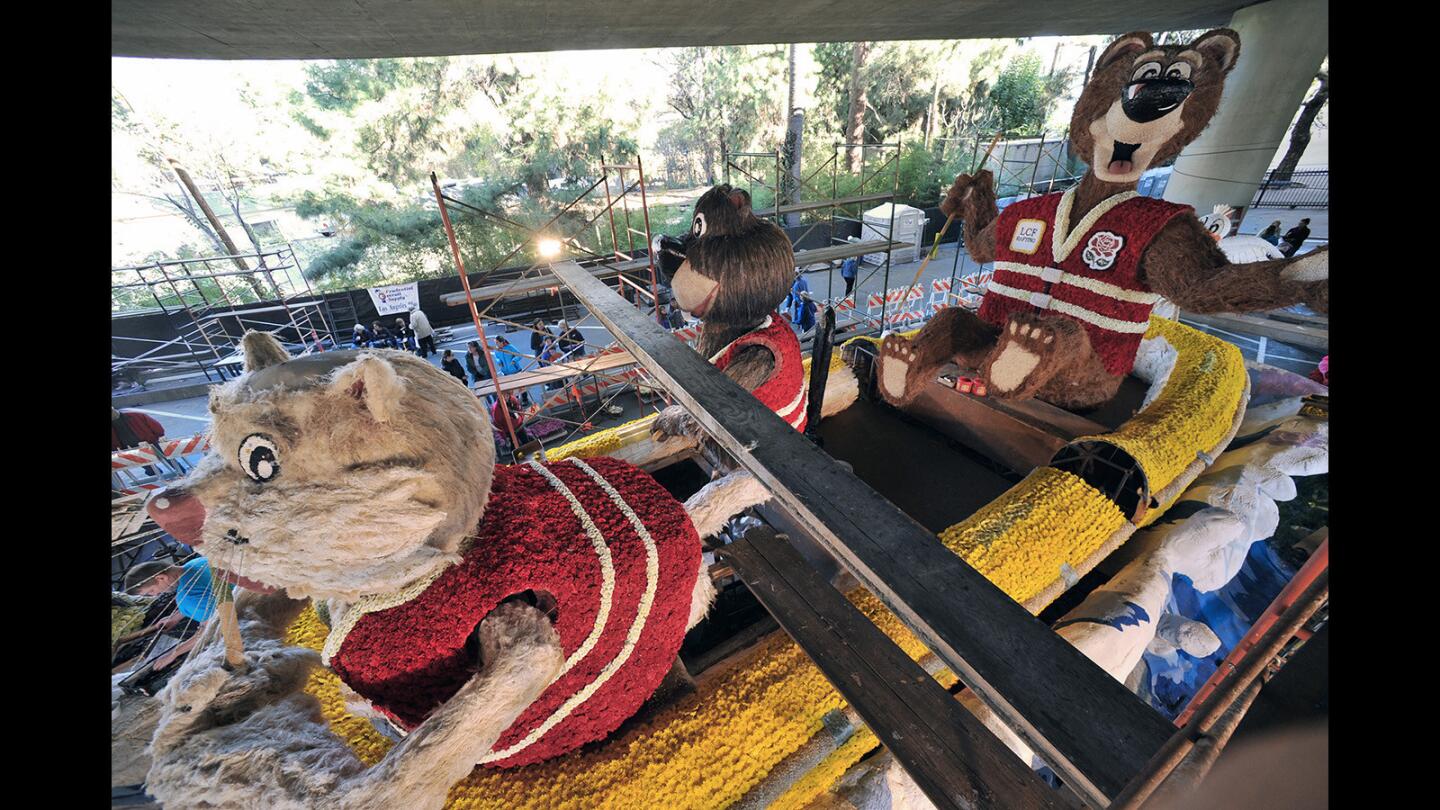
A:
(1149, 99)
(670, 254)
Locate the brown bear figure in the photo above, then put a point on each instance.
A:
(1077, 273)
(737, 269)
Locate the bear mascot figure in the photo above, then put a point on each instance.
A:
(490, 614)
(732, 270)
(1077, 273)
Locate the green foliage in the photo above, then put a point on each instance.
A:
(1022, 97)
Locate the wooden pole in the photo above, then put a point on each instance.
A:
(229, 623)
(935, 248)
(474, 313)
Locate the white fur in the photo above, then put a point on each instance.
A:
(712, 507)
(1244, 249)
(1154, 361)
(702, 598)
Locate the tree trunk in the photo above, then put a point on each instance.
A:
(1300, 135)
(793, 155)
(934, 109)
(215, 223)
(855, 128)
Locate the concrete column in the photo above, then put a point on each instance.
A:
(1282, 45)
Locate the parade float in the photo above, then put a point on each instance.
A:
(1031, 496)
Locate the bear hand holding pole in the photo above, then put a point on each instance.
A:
(935, 248)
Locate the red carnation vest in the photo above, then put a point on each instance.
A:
(619, 555)
(785, 390)
(1090, 274)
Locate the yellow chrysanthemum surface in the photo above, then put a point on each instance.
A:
(1020, 540)
(1194, 411)
(602, 443)
(705, 750)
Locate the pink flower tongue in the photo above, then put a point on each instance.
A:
(1121, 167)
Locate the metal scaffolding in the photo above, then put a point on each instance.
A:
(211, 309)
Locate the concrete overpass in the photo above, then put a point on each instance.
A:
(336, 29)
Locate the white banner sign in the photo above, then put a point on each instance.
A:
(396, 299)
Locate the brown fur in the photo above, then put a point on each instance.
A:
(753, 263)
(1183, 263)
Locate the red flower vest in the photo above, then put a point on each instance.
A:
(1090, 274)
(620, 557)
(785, 390)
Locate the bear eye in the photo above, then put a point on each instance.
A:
(1179, 70)
(258, 458)
(699, 226)
(1149, 70)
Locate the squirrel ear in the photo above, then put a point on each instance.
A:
(262, 350)
(372, 380)
(1127, 45)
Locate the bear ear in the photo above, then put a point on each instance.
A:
(1128, 45)
(741, 200)
(262, 350)
(1222, 45)
(372, 380)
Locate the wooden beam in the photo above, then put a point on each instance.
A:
(1092, 731)
(947, 751)
(1306, 337)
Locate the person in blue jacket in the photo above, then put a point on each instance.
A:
(848, 271)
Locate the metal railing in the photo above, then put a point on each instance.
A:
(1296, 189)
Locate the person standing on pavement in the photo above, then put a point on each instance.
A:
(848, 270)
(424, 335)
(1272, 233)
(1295, 238)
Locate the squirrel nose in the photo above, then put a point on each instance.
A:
(179, 513)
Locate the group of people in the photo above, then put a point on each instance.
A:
(415, 336)
(1293, 238)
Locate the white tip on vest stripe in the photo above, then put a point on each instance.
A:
(642, 613)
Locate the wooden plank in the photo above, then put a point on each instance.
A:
(590, 364)
(1092, 731)
(845, 251)
(1306, 337)
(947, 751)
(811, 205)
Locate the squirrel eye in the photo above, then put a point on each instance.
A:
(699, 225)
(258, 457)
(1149, 70)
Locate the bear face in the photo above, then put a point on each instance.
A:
(738, 267)
(334, 475)
(1145, 102)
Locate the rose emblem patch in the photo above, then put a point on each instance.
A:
(1101, 250)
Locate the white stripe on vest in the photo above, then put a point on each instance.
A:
(1042, 301)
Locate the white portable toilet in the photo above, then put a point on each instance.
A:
(909, 229)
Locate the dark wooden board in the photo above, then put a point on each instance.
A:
(1092, 731)
(949, 753)
(1314, 338)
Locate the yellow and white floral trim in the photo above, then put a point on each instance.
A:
(1195, 412)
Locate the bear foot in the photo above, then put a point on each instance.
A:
(1030, 352)
(900, 374)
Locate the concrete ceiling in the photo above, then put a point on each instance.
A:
(336, 29)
